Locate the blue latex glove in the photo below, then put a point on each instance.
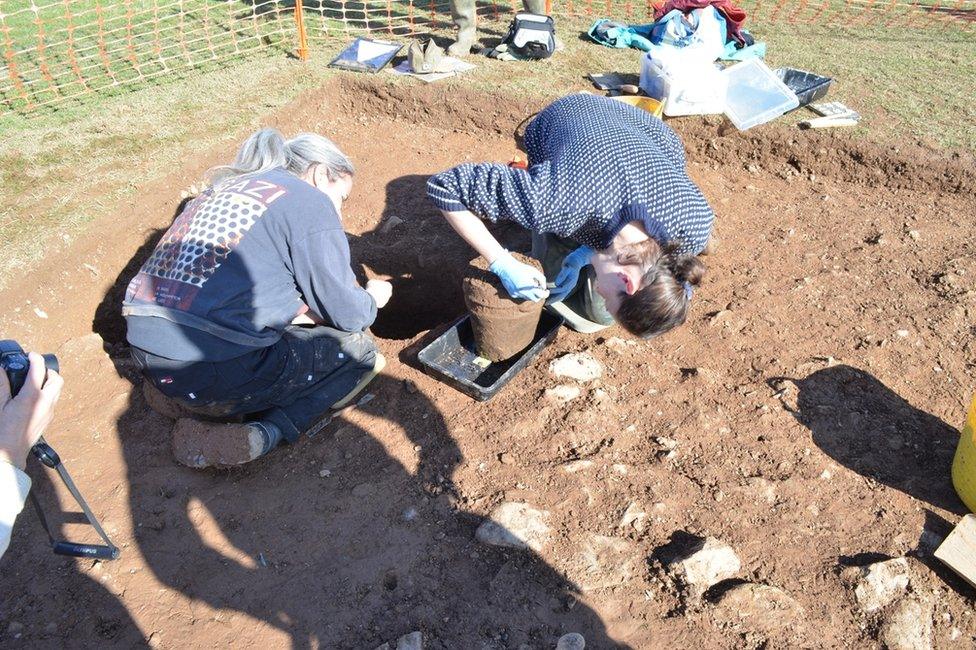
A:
(520, 280)
(569, 275)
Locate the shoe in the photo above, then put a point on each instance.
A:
(200, 444)
(377, 368)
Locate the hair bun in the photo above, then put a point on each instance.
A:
(688, 268)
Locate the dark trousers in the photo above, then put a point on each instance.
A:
(291, 383)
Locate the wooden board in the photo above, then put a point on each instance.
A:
(958, 551)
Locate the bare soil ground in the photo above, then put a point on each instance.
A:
(810, 405)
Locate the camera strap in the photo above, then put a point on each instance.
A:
(109, 551)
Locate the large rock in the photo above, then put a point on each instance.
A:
(909, 627)
(761, 608)
(577, 365)
(604, 562)
(700, 563)
(515, 525)
(880, 584)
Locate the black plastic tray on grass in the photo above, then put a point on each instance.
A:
(809, 87)
(451, 358)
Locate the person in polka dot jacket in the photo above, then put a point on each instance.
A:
(616, 221)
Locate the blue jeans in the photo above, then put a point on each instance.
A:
(290, 384)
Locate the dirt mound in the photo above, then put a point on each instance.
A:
(777, 148)
(456, 108)
(837, 156)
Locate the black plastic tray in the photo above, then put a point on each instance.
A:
(809, 87)
(451, 358)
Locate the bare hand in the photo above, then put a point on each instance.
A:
(381, 290)
(24, 418)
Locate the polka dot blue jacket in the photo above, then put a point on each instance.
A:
(595, 164)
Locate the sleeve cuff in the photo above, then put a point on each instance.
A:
(14, 486)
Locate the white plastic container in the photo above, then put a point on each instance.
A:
(755, 95)
(686, 84)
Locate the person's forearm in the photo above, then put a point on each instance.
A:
(473, 230)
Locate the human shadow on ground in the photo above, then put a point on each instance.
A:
(350, 538)
(864, 425)
(60, 603)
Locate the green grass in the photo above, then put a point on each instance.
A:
(905, 84)
(110, 46)
(62, 167)
(57, 179)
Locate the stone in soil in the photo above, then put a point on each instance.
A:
(563, 393)
(634, 517)
(571, 641)
(700, 563)
(604, 562)
(908, 627)
(515, 525)
(412, 641)
(879, 584)
(760, 608)
(579, 366)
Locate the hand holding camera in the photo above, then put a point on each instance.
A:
(28, 393)
(29, 388)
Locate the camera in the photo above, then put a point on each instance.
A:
(15, 363)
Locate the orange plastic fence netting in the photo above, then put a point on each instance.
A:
(54, 50)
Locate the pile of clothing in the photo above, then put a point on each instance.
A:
(709, 26)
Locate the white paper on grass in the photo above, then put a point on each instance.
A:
(371, 49)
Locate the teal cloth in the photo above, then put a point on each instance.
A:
(618, 35)
(732, 53)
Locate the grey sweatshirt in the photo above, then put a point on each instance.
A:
(237, 265)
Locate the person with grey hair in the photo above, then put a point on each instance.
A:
(247, 316)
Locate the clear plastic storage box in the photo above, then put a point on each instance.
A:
(755, 94)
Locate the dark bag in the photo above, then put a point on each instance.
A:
(532, 36)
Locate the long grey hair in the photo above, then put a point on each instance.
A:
(267, 149)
